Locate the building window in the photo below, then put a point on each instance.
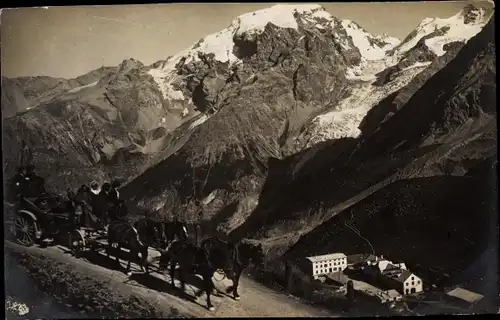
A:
(418, 281)
(413, 283)
(412, 278)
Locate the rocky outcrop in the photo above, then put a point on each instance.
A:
(13, 99)
(41, 90)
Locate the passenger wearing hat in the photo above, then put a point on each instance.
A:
(34, 183)
(95, 188)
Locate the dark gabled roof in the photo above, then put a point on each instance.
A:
(360, 257)
(405, 274)
(397, 274)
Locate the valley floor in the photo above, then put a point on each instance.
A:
(256, 300)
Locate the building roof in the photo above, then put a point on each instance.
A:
(390, 267)
(392, 293)
(465, 295)
(360, 257)
(405, 274)
(397, 274)
(326, 257)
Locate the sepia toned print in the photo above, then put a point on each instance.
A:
(256, 160)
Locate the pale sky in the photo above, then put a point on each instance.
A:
(70, 41)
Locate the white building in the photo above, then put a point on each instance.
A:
(408, 283)
(328, 263)
(395, 275)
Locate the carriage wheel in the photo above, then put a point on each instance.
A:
(25, 230)
(76, 243)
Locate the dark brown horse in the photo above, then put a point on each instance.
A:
(159, 234)
(211, 256)
(125, 235)
(232, 259)
(191, 259)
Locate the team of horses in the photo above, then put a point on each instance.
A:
(170, 238)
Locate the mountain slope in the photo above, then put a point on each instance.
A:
(13, 99)
(451, 139)
(259, 110)
(418, 221)
(452, 129)
(112, 126)
(39, 90)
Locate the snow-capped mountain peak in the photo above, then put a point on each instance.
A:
(437, 32)
(371, 47)
(221, 44)
(280, 15)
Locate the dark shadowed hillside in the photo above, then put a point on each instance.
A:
(438, 222)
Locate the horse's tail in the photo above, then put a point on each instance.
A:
(235, 252)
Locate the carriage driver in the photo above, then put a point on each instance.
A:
(34, 182)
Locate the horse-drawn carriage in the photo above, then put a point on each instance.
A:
(77, 222)
(33, 215)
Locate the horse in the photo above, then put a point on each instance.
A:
(150, 232)
(212, 255)
(160, 234)
(174, 230)
(125, 235)
(191, 260)
(232, 258)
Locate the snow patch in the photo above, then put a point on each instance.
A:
(77, 89)
(221, 44)
(360, 38)
(209, 198)
(391, 41)
(164, 80)
(279, 15)
(198, 121)
(345, 120)
(418, 65)
(458, 31)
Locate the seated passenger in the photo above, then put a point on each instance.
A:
(95, 188)
(34, 183)
(114, 194)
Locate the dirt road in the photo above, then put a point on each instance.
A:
(256, 300)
